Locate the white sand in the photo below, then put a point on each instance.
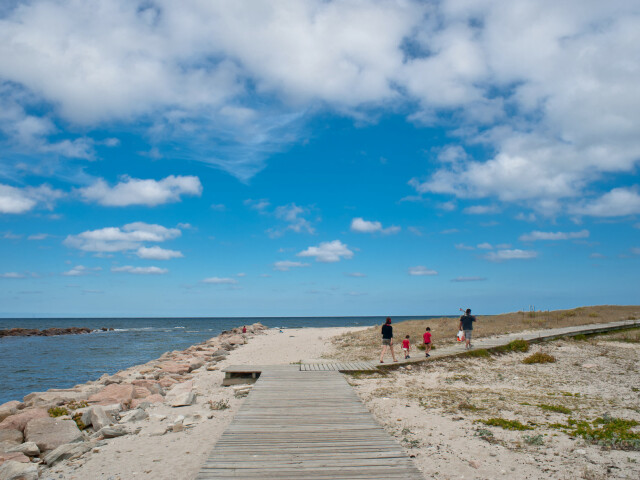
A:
(179, 455)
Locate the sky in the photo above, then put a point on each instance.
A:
(379, 157)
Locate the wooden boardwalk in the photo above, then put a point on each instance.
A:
(306, 425)
(337, 367)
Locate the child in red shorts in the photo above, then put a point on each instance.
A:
(427, 341)
(405, 347)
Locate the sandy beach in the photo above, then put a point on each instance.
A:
(435, 410)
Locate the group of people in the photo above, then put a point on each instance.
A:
(466, 326)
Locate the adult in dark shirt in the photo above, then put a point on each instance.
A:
(387, 340)
(466, 325)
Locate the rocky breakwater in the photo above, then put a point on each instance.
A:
(65, 424)
(48, 332)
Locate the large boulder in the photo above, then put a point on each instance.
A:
(29, 449)
(113, 393)
(9, 408)
(14, 457)
(9, 438)
(141, 392)
(49, 433)
(20, 420)
(68, 450)
(98, 418)
(181, 394)
(167, 382)
(55, 397)
(152, 385)
(12, 470)
(174, 367)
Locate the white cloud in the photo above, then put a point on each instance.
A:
(328, 252)
(597, 255)
(293, 215)
(485, 246)
(38, 236)
(80, 270)
(515, 254)
(416, 231)
(220, 281)
(616, 203)
(12, 275)
(219, 207)
(469, 279)
(286, 265)
(115, 239)
(134, 191)
(355, 274)
(241, 274)
(421, 271)
(481, 209)
(462, 246)
(360, 225)
(157, 253)
(140, 270)
(537, 235)
(259, 205)
(21, 200)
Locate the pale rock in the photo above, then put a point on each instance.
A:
(134, 416)
(174, 367)
(212, 368)
(20, 420)
(113, 393)
(11, 437)
(167, 382)
(144, 402)
(98, 418)
(195, 364)
(68, 450)
(183, 399)
(140, 392)
(9, 408)
(157, 430)
(218, 358)
(18, 471)
(14, 457)
(111, 432)
(475, 464)
(56, 397)
(152, 385)
(109, 380)
(177, 428)
(158, 417)
(49, 433)
(30, 449)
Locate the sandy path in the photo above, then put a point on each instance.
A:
(179, 455)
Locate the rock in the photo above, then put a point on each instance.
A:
(68, 450)
(99, 417)
(114, 393)
(475, 464)
(134, 416)
(11, 437)
(152, 385)
(20, 420)
(14, 457)
(111, 432)
(157, 430)
(56, 397)
(173, 367)
(183, 400)
(217, 358)
(195, 364)
(155, 398)
(49, 433)
(18, 471)
(167, 382)
(236, 340)
(589, 365)
(30, 449)
(140, 392)
(212, 368)
(9, 408)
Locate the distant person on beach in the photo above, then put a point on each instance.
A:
(466, 325)
(427, 341)
(387, 340)
(244, 329)
(406, 345)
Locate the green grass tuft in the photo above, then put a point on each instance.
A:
(481, 353)
(555, 408)
(58, 411)
(506, 424)
(539, 357)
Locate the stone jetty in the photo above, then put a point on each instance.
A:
(48, 332)
(59, 424)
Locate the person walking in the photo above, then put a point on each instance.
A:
(387, 340)
(466, 325)
(426, 336)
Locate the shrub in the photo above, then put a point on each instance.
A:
(555, 408)
(219, 405)
(533, 439)
(77, 417)
(518, 345)
(539, 357)
(73, 405)
(481, 353)
(58, 411)
(506, 424)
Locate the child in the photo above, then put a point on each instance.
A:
(427, 341)
(406, 346)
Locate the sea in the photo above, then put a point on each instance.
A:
(36, 364)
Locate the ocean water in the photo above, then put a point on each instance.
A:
(35, 364)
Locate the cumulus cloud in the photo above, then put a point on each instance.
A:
(157, 253)
(38, 236)
(537, 235)
(616, 203)
(294, 216)
(80, 270)
(421, 271)
(116, 239)
(481, 209)
(515, 254)
(140, 270)
(328, 252)
(286, 265)
(220, 281)
(134, 191)
(21, 200)
(360, 225)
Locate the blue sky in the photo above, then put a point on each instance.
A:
(317, 158)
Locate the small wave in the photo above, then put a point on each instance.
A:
(179, 327)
